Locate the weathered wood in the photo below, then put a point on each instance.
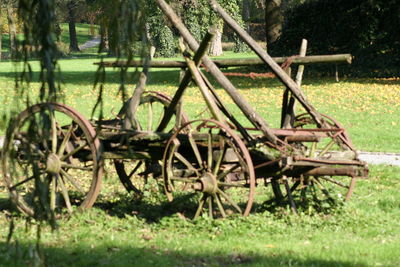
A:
(237, 62)
(134, 101)
(208, 97)
(279, 72)
(244, 106)
(202, 49)
(290, 111)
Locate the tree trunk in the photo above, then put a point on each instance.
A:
(216, 45)
(73, 40)
(1, 33)
(104, 44)
(11, 29)
(273, 20)
(58, 31)
(246, 14)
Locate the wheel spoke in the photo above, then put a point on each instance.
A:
(64, 192)
(75, 183)
(200, 207)
(209, 150)
(29, 144)
(225, 173)
(140, 163)
(185, 162)
(149, 116)
(219, 204)
(53, 132)
(222, 193)
(335, 182)
(220, 157)
(238, 184)
(65, 140)
(322, 188)
(53, 191)
(183, 180)
(210, 208)
(195, 150)
(71, 166)
(22, 182)
(77, 149)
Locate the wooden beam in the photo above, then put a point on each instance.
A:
(244, 106)
(238, 62)
(279, 72)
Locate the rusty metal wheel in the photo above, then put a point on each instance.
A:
(306, 121)
(317, 192)
(208, 170)
(134, 174)
(322, 191)
(52, 150)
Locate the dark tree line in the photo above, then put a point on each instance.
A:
(370, 30)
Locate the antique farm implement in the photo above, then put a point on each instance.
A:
(210, 166)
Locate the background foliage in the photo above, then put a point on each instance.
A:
(370, 30)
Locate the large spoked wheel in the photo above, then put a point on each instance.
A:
(52, 150)
(134, 174)
(209, 170)
(321, 192)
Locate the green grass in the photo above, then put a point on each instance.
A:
(82, 33)
(122, 232)
(368, 108)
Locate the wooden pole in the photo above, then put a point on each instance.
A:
(238, 62)
(134, 101)
(202, 50)
(197, 77)
(290, 111)
(244, 106)
(286, 80)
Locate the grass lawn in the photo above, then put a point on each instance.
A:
(368, 108)
(121, 232)
(82, 33)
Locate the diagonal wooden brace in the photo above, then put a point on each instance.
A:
(201, 51)
(244, 106)
(281, 74)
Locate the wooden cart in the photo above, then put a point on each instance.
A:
(209, 166)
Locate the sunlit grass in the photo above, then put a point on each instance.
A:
(121, 232)
(368, 108)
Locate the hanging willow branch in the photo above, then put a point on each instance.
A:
(38, 18)
(126, 30)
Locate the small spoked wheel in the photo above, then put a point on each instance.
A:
(319, 191)
(208, 169)
(134, 174)
(305, 121)
(52, 150)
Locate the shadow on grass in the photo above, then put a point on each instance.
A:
(149, 255)
(146, 208)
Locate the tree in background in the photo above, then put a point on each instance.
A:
(12, 30)
(273, 21)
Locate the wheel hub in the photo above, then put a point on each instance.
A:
(208, 183)
(53, 164)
